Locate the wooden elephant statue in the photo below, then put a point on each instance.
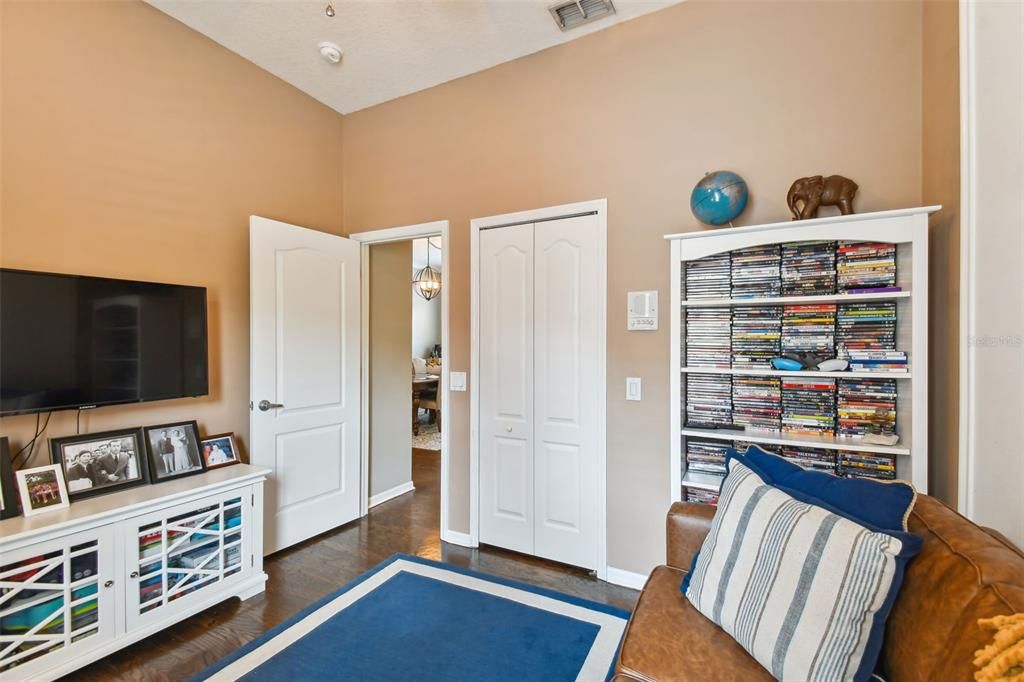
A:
(807, 195)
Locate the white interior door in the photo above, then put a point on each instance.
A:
(541, 391)
(506, 381)
(567, 389)
(305, 378)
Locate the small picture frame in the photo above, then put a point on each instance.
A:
(8, 486)
(101, 463)
(220, 451)
(173, 450)
(42, 489)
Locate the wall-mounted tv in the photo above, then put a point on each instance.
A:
(73, 342)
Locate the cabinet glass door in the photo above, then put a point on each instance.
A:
(55, 597)
(184, 551)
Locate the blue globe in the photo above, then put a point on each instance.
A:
(719, 198)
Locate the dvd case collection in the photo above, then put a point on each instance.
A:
(809, 406)
(866, 406)
(706, 456)
(817, 459)
(709, 401)
(809, 328)
(853, 464)
(808, 268)
(701, 496)
(863, 267)
(756, 333)
(709, 277)
(878, 361)
(865, 326)
(709, 337)
(757, 272)
(756, 402)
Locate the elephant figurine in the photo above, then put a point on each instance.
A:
(816, 191)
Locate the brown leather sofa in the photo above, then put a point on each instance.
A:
(963, 573)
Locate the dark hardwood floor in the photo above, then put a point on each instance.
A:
(314, 569)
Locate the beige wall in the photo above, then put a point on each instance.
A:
(134, 147)
(637, 114)
(390, 366)
(941, 185)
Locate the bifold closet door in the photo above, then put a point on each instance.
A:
(567, 389)
(506, 387)
(540, 391)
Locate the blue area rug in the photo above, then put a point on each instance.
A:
(414, 619)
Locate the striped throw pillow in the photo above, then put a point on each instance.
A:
(805, 591)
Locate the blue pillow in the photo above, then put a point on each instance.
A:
(877, 505)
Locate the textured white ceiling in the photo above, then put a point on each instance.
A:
(392, 47)
(419, 253)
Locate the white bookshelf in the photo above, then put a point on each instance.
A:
(908, 229)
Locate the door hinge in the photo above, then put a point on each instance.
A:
(252, 560)
(250, 406)
(252, 502)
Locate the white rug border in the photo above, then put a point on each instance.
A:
(594, 668)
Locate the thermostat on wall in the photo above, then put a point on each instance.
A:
(642, 312)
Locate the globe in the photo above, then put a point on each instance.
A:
(719, 198)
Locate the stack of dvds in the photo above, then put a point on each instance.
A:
(706, 456)
(808, 268)
(756, 331)
(709, 277)
(866, 406)
(708, 337)
(708, 400)
(866, 465)
(866, 267)
(742, 445)
(809, 328)
(756, 403)
(878, 361)
(756, 272)
(865, 326)
(811, 458)
(809, 406)
(699, 496)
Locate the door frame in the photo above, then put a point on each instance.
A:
(476, 225)
(384, 236)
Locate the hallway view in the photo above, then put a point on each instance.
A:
(312, 570)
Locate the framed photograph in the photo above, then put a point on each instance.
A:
(220, 451)
(100, 463)
(173, 450)
(8, 488)
(42, 489)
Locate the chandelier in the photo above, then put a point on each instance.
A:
(427, 282)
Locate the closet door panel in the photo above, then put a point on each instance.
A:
(507, 388)
(567, 393)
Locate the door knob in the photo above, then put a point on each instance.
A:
(265, 405)
(109, 583)
(133, 574)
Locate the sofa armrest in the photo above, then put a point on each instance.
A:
(687, 525)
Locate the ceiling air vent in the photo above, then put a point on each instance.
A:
(569, 15)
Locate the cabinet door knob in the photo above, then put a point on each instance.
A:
(133, 574)
(109, 583)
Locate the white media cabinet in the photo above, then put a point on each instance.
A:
(80, 583)
(908, 230)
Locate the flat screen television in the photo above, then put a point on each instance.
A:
(74, 342)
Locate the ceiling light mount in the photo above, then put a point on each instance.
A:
(330, 52)
(329, 11)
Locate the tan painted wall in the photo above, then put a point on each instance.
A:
(134, 147)
(390, 366)
(637, 113)
(941, 185)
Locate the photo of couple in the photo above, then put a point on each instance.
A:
(101, 463)
(174, 450)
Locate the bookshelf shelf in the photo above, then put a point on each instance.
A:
(768, 438)
(793, 300)
(906, 229)
(801, 373)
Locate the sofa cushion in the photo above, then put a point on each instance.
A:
(668, 640)
(805, 590)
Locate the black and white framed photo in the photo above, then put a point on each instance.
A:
(42, 489)
(173, 450)
(8, 487)
(100, 463)
(220, 451)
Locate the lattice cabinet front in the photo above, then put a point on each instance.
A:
(55, 599)
(178, 554)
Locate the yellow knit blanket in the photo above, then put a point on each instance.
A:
(1003, 659)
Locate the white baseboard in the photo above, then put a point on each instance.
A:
(617, 576)
(456, 538)
(380, 498)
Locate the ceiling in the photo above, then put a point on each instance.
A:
(419, 253)
(391, 47)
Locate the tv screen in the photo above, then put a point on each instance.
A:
(71, 342)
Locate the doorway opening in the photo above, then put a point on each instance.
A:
(405, 393)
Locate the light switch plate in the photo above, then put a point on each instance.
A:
(634, 388)
(457, 381)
